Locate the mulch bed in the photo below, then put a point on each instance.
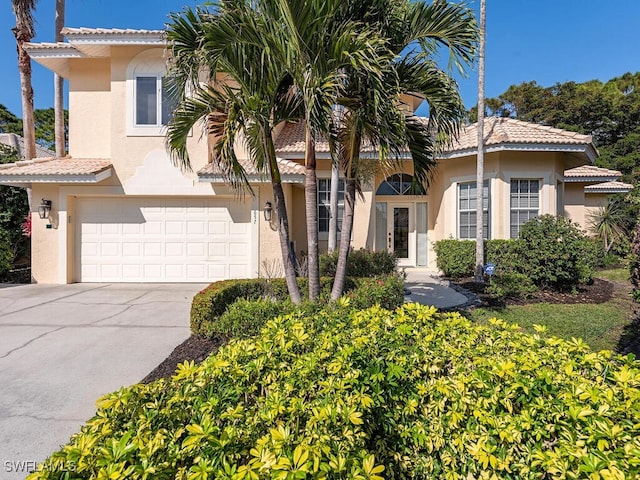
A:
(193, 348)
(197, 348)
(600, 291)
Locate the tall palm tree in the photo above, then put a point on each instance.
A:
(24, 33)
(373, 112)
(480, 157)
(58, 86)
(321, 45)
(254, 97)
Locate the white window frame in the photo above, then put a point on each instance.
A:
(486, 209)
(324, 234)
(149, 63)
(159, 80)
(520, 209)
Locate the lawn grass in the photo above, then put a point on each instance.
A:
(614, 274)
(600, 325)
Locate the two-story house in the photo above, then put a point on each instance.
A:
(121, 212)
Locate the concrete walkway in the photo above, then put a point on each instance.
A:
(64, 346)
(426, 288)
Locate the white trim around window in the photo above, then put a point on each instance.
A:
(524, 202)
(466, 210)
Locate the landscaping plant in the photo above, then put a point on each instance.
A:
(372, 394)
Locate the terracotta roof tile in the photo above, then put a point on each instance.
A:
(56, 166)
(609, 187)
(291, 140)
(109, 31)
(287, 167)
(16, 141)
(590, 171)
(499, 130)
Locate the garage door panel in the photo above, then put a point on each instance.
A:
(155, 240)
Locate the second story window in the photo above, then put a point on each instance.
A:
(153, 102)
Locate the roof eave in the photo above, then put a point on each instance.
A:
(25, 180)
(587, 150)
(286, 178)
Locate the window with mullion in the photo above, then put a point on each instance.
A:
(154, 104)
(324, 199)
(525, 203)
(467, 224)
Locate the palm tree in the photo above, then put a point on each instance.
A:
(58, 85)
(373, 111)
(321, 45)
(24, 33)
(480, 158)
(254, 97)
(610, 223)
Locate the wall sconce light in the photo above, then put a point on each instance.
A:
(44, 209)
(268, 211)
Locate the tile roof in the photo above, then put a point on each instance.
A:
(109, 31)
(55, 167)
(590, 172)
(497, 131)
(500, 130)
(16, 141)
(291, 140)
(287, 167)
(49, 46)
(609, 187)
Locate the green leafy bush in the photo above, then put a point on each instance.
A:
(386, 291)
(456, 258)
(360, 263)
(554, 253)
(215, 310)
(511, 285)
(371, 394)
(6, 253)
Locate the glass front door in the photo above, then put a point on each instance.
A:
(399, 233)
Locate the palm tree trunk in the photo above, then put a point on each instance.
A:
(311, 206)
(283, 222)
(333, 208)
(345, 237)
(480, 163)
(58, 87)
(23, 32)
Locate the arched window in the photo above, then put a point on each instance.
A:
(400, 184)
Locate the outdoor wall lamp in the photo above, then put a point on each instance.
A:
(268, 211)
(44, 209)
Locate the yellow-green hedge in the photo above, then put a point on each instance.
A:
(373, 394)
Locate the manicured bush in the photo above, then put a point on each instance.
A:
(386, 291)
(456, 258)
(551, 251)
(360, 263)
(511, 285)
(371, 394)
(214, 311)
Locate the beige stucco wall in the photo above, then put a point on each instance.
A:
(574, 199)
(89, 108)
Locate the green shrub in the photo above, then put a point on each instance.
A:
(370, 394)
(6, 253)
(456, 258)
(511, 285)
(214, 311)
(360, 263)
(551, 251)
(386, 291)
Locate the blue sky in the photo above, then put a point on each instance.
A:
(548, 41)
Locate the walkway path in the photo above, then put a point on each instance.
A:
(426, 288)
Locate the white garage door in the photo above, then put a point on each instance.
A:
(162, 240)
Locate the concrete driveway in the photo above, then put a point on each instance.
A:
(64, 346)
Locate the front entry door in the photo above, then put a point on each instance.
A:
(399, 233)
